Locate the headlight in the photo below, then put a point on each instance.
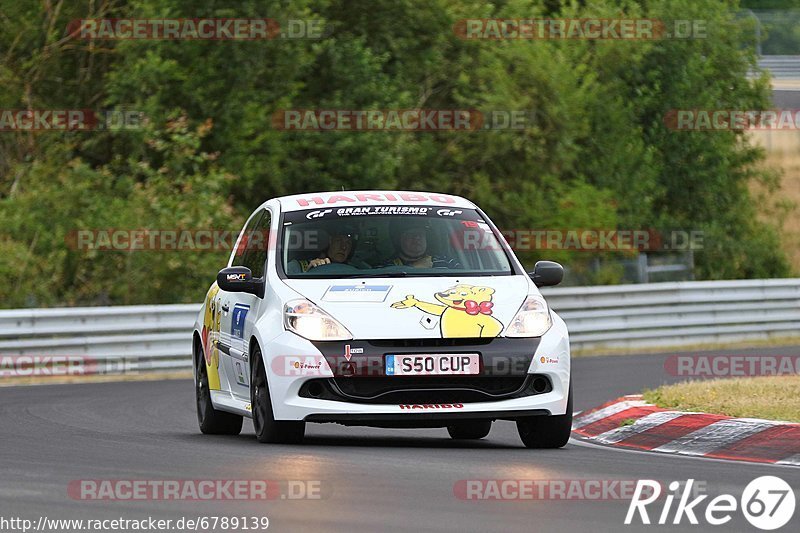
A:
(532, 319)
(311, 322)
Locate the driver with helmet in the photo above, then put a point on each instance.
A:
(341, 245)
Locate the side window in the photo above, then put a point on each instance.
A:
(255, 255)
(240, 254)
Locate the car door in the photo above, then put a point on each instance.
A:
(230, 352)
(242, 308)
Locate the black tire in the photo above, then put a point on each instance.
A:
(269, 430)
(470, 429)
(547, 431)
(211, 421)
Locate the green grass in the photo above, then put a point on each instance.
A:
(769, 397)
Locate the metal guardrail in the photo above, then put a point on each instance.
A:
(781, 67)
(608, 318)
(152, 337)
(666, 315)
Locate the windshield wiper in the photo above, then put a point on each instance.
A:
(396, 274)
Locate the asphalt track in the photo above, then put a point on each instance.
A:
(371, 479)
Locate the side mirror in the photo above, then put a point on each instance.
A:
(547, 273)
(240, 279)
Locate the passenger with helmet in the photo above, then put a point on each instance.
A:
(410, 240)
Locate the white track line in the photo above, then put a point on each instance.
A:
(643, 424)
(715, 436)
(606, 412)
(583, 443)
(794, 460)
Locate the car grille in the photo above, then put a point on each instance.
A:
(431, 342)
(425, 389)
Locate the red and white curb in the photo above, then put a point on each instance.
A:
(630, 422)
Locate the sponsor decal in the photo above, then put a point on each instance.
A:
(240, 374)
(318, 213)
(428, 322)
(448, 212)
(237, 277)
(348, 351)
(464, 311)
(307, 366)
(385, 197)
(381, 210)
(359, 288)
(237, 320)
(210, 335)
(548, 360)
(356, 293)
(300, 365)
(434, 406)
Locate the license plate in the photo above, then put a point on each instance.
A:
(432, 364)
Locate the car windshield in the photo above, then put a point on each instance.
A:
(390, 241)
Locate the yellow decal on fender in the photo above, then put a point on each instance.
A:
(210, 336)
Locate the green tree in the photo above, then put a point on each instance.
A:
(595, 152)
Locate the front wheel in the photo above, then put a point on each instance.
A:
(547, 431)
(269, 430)
(212, 422)
(472, 429)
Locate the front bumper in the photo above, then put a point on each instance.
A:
(418, 419)
(294, 362)
(425, 389)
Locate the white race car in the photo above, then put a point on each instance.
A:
(380, 308)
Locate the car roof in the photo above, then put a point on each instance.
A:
(337, 199)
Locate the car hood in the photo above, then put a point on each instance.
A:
(408, 308)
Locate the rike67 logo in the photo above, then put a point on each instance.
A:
(767, 502)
